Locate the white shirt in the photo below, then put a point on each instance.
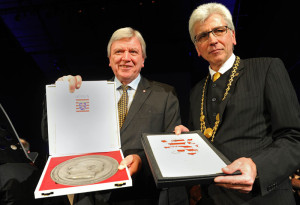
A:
(225, 67)
(131, 90)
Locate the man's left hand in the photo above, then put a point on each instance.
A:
(244, 182)
(133, 162)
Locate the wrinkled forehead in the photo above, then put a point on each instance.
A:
(211, 22)
(132, 42)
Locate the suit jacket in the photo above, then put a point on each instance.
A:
(260, 119)
(155, 108)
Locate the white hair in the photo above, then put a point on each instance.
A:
(127, 32)
(202, 12)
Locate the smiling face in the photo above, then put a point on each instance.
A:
(216, 50)
(126, 59)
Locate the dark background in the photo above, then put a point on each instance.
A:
(41, 40)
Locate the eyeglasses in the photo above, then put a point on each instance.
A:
(217, 32)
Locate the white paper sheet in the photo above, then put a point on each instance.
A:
(184, 155)
(86, 120)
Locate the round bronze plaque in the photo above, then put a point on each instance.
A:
(84, 170)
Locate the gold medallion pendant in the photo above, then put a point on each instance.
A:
(208, 132)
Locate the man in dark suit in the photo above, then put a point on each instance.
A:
(152, 107)
(249, 111)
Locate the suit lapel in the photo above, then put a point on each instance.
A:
(141, 94)
(238, 74)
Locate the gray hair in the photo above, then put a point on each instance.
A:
(202, 12)
(127, 32)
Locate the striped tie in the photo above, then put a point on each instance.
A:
(122, 105)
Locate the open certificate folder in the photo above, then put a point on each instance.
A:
(182, 159)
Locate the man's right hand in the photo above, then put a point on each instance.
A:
(74, 82)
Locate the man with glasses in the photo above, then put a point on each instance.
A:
(249, 110)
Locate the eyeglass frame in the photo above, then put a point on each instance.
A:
(211, 31)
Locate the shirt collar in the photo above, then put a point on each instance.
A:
(225, 67)
(133, 85)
